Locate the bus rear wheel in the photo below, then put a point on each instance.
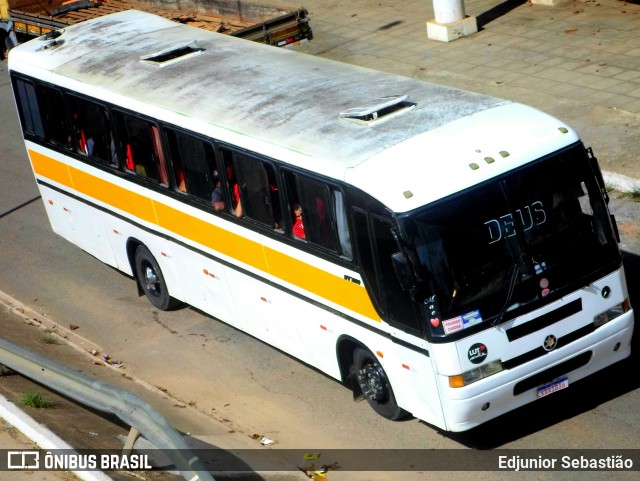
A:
(375, 386)
(152, 281)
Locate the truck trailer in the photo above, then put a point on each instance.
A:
(276, 26)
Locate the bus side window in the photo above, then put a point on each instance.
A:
(193, 162)
(54, 117)
(93, 129)
(258, 190)
(141, 146)
(28, 108)
(231, 183)
(384, 246)
(158, 156)
(318, 210)
(342, 225)
(375, 245)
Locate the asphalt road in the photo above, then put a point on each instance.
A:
(250, 387)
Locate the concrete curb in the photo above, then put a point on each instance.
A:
(621, 182)
(42, 436)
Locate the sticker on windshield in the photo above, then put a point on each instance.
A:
(452, 325)
(461, 322)
(539, 267)
(471, 318)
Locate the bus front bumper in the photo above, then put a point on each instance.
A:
(470, 406)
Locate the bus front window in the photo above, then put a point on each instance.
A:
(509, 245)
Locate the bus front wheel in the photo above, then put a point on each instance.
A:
(152, 281)
(375, 386)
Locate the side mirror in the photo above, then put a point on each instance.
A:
(403, 271)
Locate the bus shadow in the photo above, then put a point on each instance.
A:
(582, 397)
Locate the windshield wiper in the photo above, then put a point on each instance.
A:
(512, 286)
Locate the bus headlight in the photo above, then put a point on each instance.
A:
(611, 313)
(476, 374)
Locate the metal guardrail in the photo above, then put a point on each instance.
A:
(131, 409)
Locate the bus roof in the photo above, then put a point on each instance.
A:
(404, 141)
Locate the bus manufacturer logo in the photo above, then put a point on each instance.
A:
(550, 342)
(477, 353)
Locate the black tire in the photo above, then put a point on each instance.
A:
(152, 281)
(375, 386)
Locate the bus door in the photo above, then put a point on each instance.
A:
(407, 357)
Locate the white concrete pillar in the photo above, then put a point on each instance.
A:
(448, 11)
(450, 22)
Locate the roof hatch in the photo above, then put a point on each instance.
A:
(380, 109)
(172, 55)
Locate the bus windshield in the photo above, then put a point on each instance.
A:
(510, 245)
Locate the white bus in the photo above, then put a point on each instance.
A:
(444, 254)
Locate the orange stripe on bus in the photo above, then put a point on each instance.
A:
(211, 236)
(47, 167)
(118, 197)
(282, 266)
(320, 282)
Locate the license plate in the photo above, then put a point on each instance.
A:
(553, 387)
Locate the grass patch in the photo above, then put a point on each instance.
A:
(631, 194)
(634, 194)
(35, 400)
(49, 340)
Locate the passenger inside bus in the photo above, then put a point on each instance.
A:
(298, 226)
(130, 163)
(217, 199)
(180, 180)
(274, 198)
(85, 142)
(235, 192)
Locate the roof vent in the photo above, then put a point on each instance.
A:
(51, 44)
(171, 55)
(383, 108)
(50, 35)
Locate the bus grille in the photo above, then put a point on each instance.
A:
(540, 351)
(545, 320)
(552, 373)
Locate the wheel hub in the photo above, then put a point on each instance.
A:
(372, 382)
(151, 280)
